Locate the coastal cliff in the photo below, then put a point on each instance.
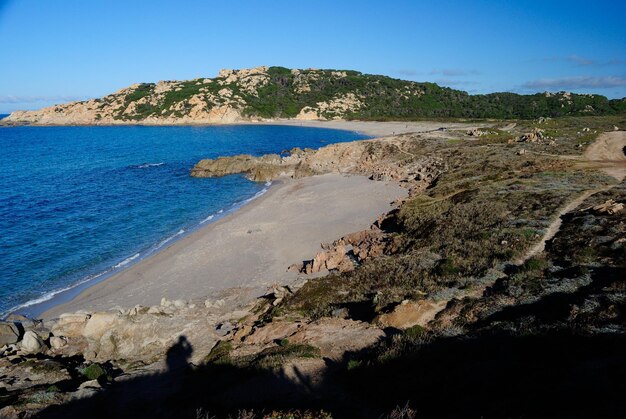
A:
(267, 93)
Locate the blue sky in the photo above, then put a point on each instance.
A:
(55, 51)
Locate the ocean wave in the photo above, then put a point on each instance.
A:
(209, 218)
(146, 165)
(50, 295)
(170, 238)
(126, 261)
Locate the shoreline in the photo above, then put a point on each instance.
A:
(369, 128)
(225, 254)
(48, 301)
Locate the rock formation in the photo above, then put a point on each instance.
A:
(377, 159)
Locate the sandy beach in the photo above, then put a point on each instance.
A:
(374, 128)
(250, 248)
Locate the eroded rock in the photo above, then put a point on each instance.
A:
(32, 343)
(9, 333)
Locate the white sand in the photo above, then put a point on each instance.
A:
(251, 248)
(375, 128)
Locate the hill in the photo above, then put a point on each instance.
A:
(278, 92)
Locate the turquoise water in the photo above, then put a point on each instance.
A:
(77, 203)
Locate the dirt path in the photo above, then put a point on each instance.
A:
(554, 227)
(608, 153)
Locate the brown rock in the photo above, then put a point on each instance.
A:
(9, 333)
(410, 313)
(334, 336)
(70, 324)
(273, 331)
(98, 324)
(609, 207)
(32, 343)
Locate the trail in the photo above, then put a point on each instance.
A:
(608, 154)
(608, 150)
(555, 226)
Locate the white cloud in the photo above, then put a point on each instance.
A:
(579, 82)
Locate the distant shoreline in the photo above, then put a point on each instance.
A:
(370, 128)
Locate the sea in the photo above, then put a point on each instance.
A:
(78, 204)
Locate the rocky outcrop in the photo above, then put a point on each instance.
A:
(378, 159)
(346, 253)
(9, 333)
(410, 313)
(610, 207)
(534, 136)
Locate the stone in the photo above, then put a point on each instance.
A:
(335, 336)
(57, 342)
(90, 384)
(179, 303)
(9, 333)
(214, 304)
(609, 207)
(83, 393)
(70, 324)
(26, 322)
(224, 328)
(98, 324)
(521, 152)
(475, 132)
(154, 310)
(242, 332)
(410, 313)
(273, 331)
(32, 343)
(536, 135)
(340, 313)
(138, 309)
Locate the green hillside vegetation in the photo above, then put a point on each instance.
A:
(383, 98)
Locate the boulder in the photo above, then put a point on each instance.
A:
(9, 333)
(609, 207)
(224, 328)
(410, 313)
(475, 132)
(70, 324)
(32, 343)
(536, 135)
(138, 309)
(335, 336)
(179, 303)
(26, 322)
(57, 342)
(98, 324)
(272, 332)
